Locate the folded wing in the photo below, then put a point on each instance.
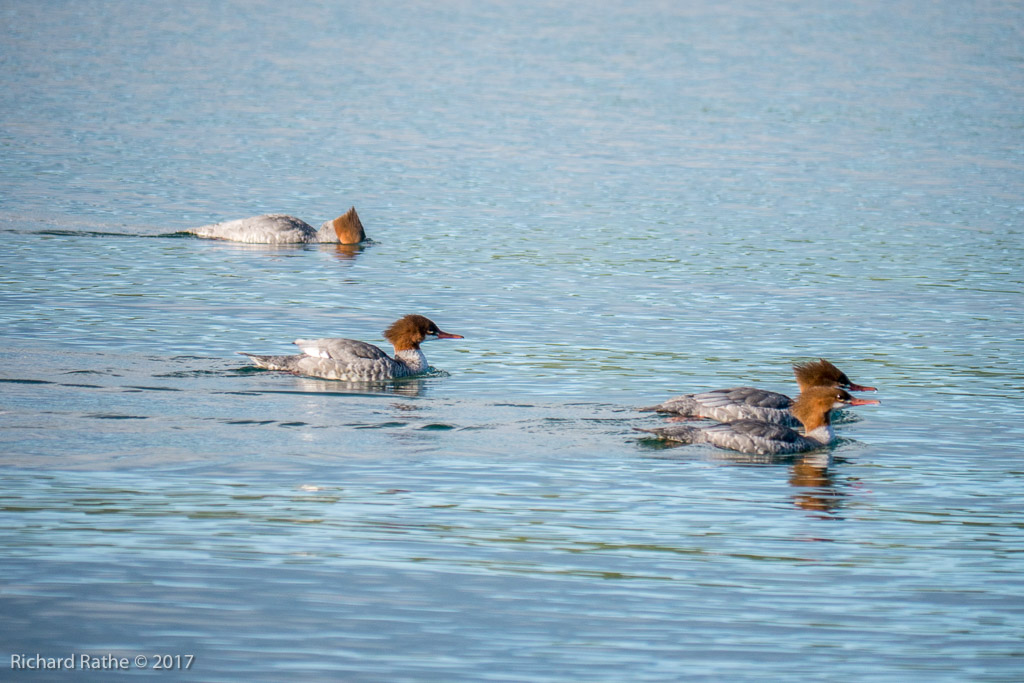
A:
(341, 350)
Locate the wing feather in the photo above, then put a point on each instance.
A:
(341, 350)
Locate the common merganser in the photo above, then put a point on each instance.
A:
(812, 408)
(748, 403)
(356, 361)
(279, 228)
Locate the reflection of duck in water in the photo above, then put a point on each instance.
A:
(278, 228)
(748, 403)
(405, 388)
(813, 408)
(356, 361)
(817, 491)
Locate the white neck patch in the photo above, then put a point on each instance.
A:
(823, 434)
(413, 359)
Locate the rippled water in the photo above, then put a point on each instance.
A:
(613, 204)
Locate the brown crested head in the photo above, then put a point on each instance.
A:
(349, 228)
(409, 332)
(821, 373)
(814, 405)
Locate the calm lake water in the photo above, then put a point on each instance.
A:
(613, 203)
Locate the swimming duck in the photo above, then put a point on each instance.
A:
(355, 361)
(279, 228)
(740, 403)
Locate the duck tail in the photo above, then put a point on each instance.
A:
(284, 363)
(682, 433)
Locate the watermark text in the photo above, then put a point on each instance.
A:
(101, 662)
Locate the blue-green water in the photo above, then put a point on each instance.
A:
(613, 204)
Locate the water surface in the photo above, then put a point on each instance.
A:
(613, 204)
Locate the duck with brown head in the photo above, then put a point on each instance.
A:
(740, 403)
(278, 228)
(356, 361)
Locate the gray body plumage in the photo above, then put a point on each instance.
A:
(748, 436)
(737, 403)
(277, 228)
(345, 359)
